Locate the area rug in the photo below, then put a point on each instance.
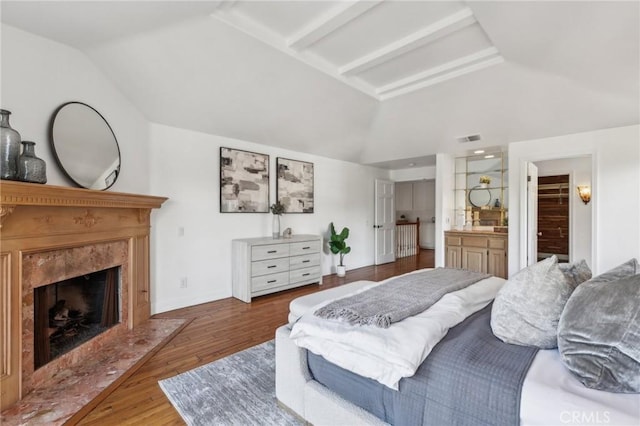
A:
(236, 390)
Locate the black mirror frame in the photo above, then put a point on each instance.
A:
(55, 153)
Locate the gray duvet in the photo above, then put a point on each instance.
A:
(470, 378)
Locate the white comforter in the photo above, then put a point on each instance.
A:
(383, 354)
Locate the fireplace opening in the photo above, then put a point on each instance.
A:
(71, 312)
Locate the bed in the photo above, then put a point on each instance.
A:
(550, 394)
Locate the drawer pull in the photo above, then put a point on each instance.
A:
(272, 251)
(306, 248)
(304, 275)
(271, 281)
(272, 266)
(306, 261)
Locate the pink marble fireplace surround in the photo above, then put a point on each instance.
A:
(48, 234)
(43, 268)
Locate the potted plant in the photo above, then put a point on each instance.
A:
(485, 181)
(337, 245)
(277, 209)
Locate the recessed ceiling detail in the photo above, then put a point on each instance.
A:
(359, 43)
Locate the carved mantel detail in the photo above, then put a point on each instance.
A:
(5, 212)
(88, 219)
(143, 215)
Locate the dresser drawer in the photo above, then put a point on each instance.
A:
(304, 261)
(474, 242)
(269, 266)
(269, 281)
(271, 251)
(497, 243)
(305, 247)
(454, 241)
(304, 274)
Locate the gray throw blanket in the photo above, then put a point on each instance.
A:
(399, 298)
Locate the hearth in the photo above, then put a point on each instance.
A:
(73, 311)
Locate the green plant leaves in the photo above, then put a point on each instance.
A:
(337, 243)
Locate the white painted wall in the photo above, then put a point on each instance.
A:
(445, 169)
(579, 170)
(38, 75)
(417, 173)
(185, 168)
(615, 205)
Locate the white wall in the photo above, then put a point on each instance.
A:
(38, 75)
(417, 173)
(445, 169)
(579, 171)
(615, 202)
(185, 168)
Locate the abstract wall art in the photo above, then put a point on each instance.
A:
(244, 181)
(294, 185)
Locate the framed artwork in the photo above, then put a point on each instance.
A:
(294, 185)
(244, 181)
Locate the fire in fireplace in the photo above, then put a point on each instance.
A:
(71, 312)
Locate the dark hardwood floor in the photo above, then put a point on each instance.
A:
(217, 329)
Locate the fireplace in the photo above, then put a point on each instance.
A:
(55, 237)
(44, 272)
(73, 311)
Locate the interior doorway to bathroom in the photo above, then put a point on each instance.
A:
(553, 216)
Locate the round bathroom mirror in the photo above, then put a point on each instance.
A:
(479, 196)
(84, 146)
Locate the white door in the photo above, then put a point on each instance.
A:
(532, 213)
(384, 222)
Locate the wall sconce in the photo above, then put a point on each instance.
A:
(584, 191)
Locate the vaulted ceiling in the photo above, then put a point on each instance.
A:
(375, 82)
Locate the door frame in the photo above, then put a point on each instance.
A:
(518, 193)
(380, 229)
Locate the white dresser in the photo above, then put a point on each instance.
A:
(264, 265)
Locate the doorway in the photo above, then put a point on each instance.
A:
(553, 217)
(577, 229)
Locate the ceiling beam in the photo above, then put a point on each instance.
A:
(327, 23)
(476, 66)
(451, 23)
(226, 4)
(267, 36)
(440, 69)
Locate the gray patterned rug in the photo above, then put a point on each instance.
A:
(236, 390)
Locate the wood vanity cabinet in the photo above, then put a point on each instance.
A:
(477, 251)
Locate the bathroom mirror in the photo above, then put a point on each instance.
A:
(84, 146)
(479, 196)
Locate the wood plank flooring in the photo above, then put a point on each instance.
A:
(218, 329)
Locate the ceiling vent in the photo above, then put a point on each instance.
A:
(470, 138)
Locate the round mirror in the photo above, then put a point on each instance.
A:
(85, 146)
(479, 196)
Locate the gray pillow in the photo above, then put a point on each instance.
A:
(527, 308)
(599, 334)
(576, 273)
(628, 268)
